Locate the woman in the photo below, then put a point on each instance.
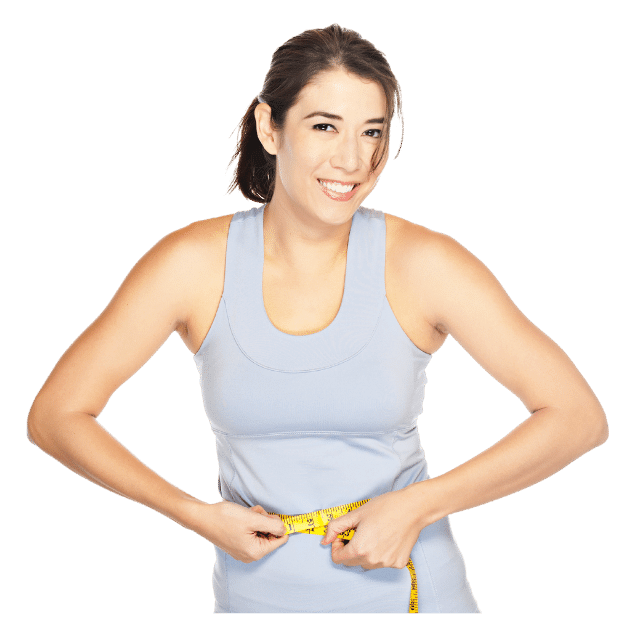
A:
(312, 320)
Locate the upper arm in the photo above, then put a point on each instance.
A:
(464, 299)
(151, 303)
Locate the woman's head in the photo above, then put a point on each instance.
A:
(339, 66)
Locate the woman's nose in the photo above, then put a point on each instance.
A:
(347, 154)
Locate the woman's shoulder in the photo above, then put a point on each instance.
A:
(415, 239)
(205, 232)
(215, 225)
(427, 250)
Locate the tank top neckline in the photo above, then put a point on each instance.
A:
(363, 297)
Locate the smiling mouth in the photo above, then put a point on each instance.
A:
(338, 187)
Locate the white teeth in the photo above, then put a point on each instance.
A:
(339, 188)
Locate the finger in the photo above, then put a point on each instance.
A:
(339, 552)
(278, 529)
(332, 534)
(275, 525)
(330, 530)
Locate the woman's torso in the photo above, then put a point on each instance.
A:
(300, 305)
(307, 422)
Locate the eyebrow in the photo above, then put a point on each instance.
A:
(340, 118)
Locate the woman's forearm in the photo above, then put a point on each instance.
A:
(540, 446)
(80, 443)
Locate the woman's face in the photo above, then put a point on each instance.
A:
(330, 136)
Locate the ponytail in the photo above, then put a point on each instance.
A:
(294, 64)
(256, 169)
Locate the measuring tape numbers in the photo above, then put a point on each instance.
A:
(316, 522)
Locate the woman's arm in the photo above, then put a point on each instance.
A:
(78, 441)
(462, 297)
(153, 301)
(543, 444)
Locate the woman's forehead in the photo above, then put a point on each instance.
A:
(339, 92)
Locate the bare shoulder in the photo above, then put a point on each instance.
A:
(412, 247)
(204, 242)
(211, 232)
(461, 296)
(430, 262)
(155, 298)
(404, 233)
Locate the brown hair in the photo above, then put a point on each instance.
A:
(293, 66)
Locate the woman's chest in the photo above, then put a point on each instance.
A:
(301, 304)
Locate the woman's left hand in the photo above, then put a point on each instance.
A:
(385, 530)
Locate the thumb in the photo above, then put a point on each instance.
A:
(279, 527)
(338, 525)
(274, 524)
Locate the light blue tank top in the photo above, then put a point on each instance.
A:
(309, 422)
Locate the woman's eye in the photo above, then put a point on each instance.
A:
(373, 133)
(323, 125)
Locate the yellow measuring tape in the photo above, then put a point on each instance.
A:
(317, 522)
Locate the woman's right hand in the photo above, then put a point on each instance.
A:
(247, 534)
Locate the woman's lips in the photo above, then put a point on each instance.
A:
(339, 197)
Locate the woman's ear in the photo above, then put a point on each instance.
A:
(266, 133)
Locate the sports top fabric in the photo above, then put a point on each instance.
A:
(308, 422)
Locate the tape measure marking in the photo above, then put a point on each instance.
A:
(316, 522)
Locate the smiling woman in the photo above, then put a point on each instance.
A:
(338, 189)
(296, 65)
(311, 320)
(339, 161)
(312, 148)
